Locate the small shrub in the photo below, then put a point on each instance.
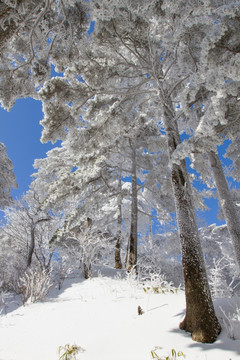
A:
(173, 356)
(3, 295)
(69, 352)
(132, 275)
(34, 285)
(159, 285)
(219, 279)
(230, 318)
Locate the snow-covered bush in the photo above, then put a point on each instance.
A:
(223, 274)
(154, 283)
(34, 285)
(229, 315)
(2, 301)
(8, 272)
(219, 281)
(61, 269)
(132, 275)
(159, 285)
(83, 248)
(25, 240)
(161, 256)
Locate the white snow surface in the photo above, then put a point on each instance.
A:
(100, 315)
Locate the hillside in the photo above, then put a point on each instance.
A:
(101, 316)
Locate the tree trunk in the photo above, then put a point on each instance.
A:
(32, 240)
(134, 210)
(87, 271)
(200, 319)
(31, 246)
(89, 223)
(126, 256)
(118, 262)
(227, 204)
(150, 239)
(87, 266)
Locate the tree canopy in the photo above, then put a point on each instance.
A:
(124, 96)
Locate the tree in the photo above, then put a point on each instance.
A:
(82, 242)
(201, 322)
(202, 150)
(118, 261)
(29, 230)
(227, 204)
(219, 254)
(129, 49)
(107, 157)
(145, 65)
(32, 34)
(8, 179)
(210, 47)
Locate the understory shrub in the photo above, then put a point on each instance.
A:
(3, 295)
(159, 285)
(229, 316)
(34, 285)
(223, 281)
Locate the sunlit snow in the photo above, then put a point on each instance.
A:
(101, 316)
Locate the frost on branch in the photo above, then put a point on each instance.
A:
(59, 102)
(34, 285)
(7, 178)
(33, 35)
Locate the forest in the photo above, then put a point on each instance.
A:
(144, 93)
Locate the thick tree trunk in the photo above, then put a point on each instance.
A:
(134, 211)
(87, 270)
(118, 262)
(227, 204)
(87, 266)
(200, 319)
(32, 240)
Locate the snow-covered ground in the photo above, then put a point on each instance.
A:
(101, 316)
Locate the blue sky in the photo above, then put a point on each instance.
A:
(20, 132)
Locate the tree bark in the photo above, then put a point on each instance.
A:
(32, 240)
(87, 270)
(150, 233)
(87, 266)
(134, 210)
(118, 262)
(200, 319)
(227, 204)
(126, 256)
(31, 246)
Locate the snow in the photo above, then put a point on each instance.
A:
(100, 315)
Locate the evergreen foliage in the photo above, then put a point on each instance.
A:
(150, 73)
